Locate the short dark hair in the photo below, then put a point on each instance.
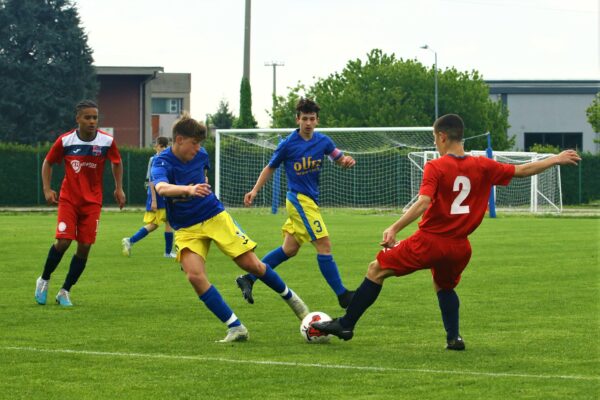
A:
(452, 125)
(162, 141)
(188, 127)
(83, 104)
(307, 106)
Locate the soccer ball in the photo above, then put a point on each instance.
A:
(312, 335)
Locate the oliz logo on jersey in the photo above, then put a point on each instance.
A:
(77, 165)
(306, 165)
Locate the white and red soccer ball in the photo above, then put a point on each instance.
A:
(310, 334)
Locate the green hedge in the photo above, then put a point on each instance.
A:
(20, 171)
(581, 184)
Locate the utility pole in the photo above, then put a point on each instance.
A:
(247, 41)
(274, 64)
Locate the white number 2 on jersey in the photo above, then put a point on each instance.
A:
(462, 184)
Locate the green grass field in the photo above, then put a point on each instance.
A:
(530, 316)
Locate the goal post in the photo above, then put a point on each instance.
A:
(540, 193)
(380, 178)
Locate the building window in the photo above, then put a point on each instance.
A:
(567, 140)
(167, 106)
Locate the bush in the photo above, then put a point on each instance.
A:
(20, 171)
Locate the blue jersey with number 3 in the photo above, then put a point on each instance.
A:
(303, 161)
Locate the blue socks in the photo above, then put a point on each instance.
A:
(52, 261)
(168, 242)
(330, 272)
(214, 302)
(139, 235)
(143, 232)
(274, 258)
(327, 265)
(274, 281)
(365, 296)
(449, 304)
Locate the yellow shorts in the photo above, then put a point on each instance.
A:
(222, 229)
(155, 217)
(304, 221)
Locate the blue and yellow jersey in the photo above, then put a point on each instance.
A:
(303, 161)
(185, 211)
(160, 201)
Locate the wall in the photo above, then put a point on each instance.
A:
(547, 106)
(550, 113)
(170, 86)
(119, 103)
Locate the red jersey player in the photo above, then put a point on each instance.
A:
(453, 197)
(84, 151)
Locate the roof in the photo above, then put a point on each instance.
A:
(113, 70)
(544, 86)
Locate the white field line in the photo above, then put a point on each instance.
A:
(295, 364)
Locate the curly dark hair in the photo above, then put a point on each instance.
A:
(307, 106)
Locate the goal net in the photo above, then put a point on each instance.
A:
(380, 178)
(537, 194)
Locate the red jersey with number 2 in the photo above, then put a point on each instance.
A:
(459, 188)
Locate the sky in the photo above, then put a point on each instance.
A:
(502, 39)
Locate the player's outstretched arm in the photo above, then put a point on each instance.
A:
(414, 212)
(170, 190)
(567, 157)
(263, 178)
(49, 194)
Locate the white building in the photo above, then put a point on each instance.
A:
(548, 112)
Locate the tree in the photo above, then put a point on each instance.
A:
(45, 69)
(284, 109)
(593, 115)
(383, 91)
(223, 118)
(246, 119)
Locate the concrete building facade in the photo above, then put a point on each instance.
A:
(548, 112)
(131, 99)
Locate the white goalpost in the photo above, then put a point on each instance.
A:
(537, 194)
(380, 179)
(387, 175)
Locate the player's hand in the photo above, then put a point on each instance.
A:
(153, 206)
(568, 157)
(50, 196)
(200, 190)
(120, 198)
(249, 198)
(347, 162)
(389, 239)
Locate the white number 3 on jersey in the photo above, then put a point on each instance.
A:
(462, 184)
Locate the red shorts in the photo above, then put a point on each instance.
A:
(447, 258)
(78, 223)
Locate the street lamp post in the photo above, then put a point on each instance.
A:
(435, 73)
(274, 64)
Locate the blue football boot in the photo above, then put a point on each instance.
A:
(63, 298)
(41, 291)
